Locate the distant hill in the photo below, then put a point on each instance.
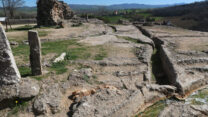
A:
(118, 6)
(192, 16)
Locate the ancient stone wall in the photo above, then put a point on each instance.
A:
(52, 12)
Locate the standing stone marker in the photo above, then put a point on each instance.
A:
(35, 52)
(9, 73)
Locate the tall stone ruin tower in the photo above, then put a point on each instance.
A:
(52, 12)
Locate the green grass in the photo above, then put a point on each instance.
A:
(145, 15)
(201, 94)
(22, 51)
(24, 71)
(101, 55)
(38, 78)
(32, 27)
(86, 79)
(60, 46)
(73, 49)
(60, 67)
(153, 111)
(19, 105)
(42, 33)
(22, 28)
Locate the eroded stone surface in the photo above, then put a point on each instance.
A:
(126, 70)
(52, 12)
(49, 100)
(183, 110)
(25, 89)
(9, 74)
(182, 53)
(35, 53)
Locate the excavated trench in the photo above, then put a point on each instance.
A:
(158, 73)
(164, 73)
(162, 68)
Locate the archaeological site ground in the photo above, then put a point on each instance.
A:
(69, 64)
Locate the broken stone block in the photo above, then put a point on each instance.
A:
(9, 73)
(27, 88)
(35, 52)
(60, 58)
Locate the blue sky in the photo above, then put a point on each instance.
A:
(109, 2)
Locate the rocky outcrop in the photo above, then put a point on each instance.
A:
(183, 110)
(9, 74)
(49, 99)
(52, 12)
(113, 102)
(25, 89)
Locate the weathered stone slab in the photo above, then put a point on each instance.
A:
(183, 56)
(35, 52)
(9, 74)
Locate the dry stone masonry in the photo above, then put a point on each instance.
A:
(52, 12)
(9, 74)
(35, 52)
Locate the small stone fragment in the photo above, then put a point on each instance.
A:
(60, 58)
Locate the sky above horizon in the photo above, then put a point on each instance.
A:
(110, 2)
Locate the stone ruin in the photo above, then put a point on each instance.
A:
(9, 74)
(52, 12)
(11, 84)
(35, 52)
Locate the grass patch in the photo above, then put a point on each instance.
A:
(73, 49)
(19, 105)
(201, 95)
(23, 51)
(154, 110)
(59, 46)
(59, 67)
(22, 28)
(24, 71)
(86, 79)
(43, 33)
(101, 55)
(38, 78)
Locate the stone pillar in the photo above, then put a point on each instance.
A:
(35, 53)
(9, 73)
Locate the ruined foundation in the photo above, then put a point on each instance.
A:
(173, 61)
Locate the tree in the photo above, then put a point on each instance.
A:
(12, 5)
(5, 13)
(9, 7)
